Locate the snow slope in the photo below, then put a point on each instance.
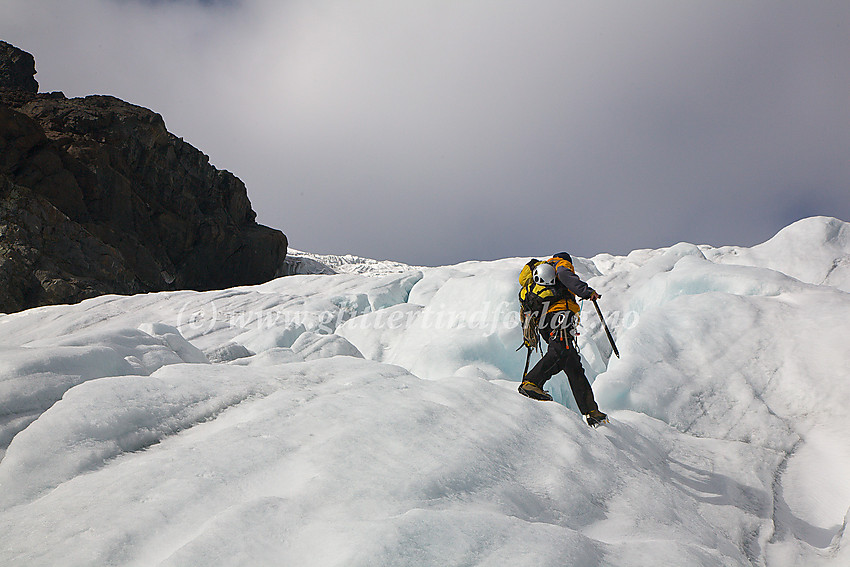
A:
(372, 419)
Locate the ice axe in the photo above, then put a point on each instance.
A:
(607, 331)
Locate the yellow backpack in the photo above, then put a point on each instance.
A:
(534, 298)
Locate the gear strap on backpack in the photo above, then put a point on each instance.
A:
(530, 311)
(530, 308)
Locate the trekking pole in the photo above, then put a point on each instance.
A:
(607, 331)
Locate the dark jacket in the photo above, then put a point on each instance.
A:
(573, 283)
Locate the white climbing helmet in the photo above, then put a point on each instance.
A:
(544, 274)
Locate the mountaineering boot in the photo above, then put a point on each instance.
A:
(595, 417)
(532, 390)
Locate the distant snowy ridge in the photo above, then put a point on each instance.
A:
(298, 262)
(364, 419)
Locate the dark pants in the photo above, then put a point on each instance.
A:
(561, 355)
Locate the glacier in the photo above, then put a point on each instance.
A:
(370, 417)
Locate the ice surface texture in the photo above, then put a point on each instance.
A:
(371, 418)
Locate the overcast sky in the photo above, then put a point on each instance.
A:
(438, 131)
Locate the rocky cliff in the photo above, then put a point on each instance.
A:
(96, 196)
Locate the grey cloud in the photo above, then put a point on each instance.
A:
(437, 132)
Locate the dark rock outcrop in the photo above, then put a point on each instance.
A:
(17, 69)
(96, 196)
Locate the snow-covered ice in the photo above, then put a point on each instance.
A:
(371, 418)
